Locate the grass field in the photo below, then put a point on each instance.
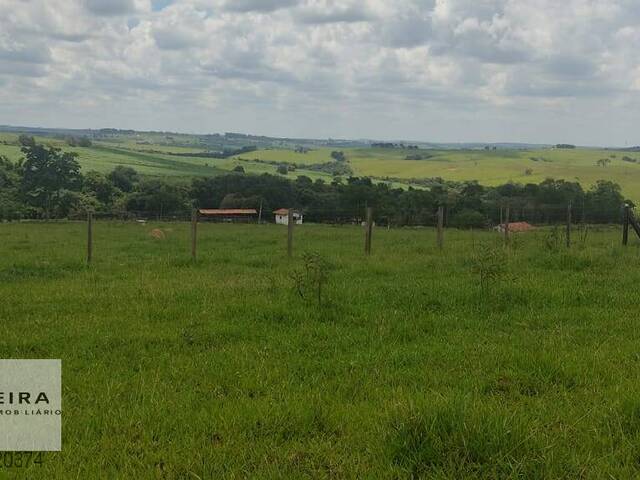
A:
(488, 167)
(410, 368)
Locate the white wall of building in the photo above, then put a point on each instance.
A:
(284, 219)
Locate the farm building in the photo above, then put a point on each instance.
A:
(516, 227)
(228, 214)
(282, 216)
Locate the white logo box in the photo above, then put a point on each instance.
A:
(30, 405)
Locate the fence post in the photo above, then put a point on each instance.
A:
(368, 231)
(569, 225)
(290, 222)
(194, 233)
(89, 238)
(260, 214)
(440, 227)
(506, 226)
(625, 225)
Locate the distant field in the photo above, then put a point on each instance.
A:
(498, 167)
(409, 368)
(104, 157)
(488, 167)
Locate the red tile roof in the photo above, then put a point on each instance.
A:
(227, 211)
(282, 211)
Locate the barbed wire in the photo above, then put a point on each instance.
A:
(427, 216)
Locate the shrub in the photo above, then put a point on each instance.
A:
(469, 219)
(310, 280)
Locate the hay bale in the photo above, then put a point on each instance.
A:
(157, 234)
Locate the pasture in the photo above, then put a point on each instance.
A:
(491, 168)
(471, 362)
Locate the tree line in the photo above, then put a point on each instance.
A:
(47, 183)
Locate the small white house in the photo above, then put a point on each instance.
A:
(282, 217)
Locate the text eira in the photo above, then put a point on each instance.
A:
(23, 398)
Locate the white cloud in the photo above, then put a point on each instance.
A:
(378, 68)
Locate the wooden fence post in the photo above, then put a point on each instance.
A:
(569, 225)
(506, 226)
(260, 214)
(194, 234)
(290, 222)
(440, 227)
(625, 224)
(89, 238)
(368, 231)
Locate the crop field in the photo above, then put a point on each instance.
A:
(477, 361)
(488, 167)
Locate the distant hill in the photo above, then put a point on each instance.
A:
(402, 164)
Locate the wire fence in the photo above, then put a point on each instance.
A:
(505, 221)
(453, 216)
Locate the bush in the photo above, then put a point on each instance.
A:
(469, 219)
(338, 156)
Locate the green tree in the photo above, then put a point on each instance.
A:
(10, 205)
(282, 169)
(603, 202)
(468, 219)
(124, 178)
(99, 186)
(46, 172)
(338, 156)
(158, 198)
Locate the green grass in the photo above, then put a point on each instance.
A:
(488, 167)
(409, 369)
(321, 155)
(499, 167)
(104, 157)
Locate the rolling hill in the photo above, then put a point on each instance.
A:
(163, 155)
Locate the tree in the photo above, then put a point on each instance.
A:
(46, 172)
(10, 205)
(468, 219)
(236, 200)
(26, 140)
(238, 169)
(603, 202)
(124, 178)
(282, 169)
(303, 180)
(158, 198)
(338, 156)
(96, 184)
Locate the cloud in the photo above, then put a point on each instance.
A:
(402, 68)
(25, 53)
(20, 69)
(244, 6)
(180, 28)
(322, 13)
(114, 7)
(571, 66)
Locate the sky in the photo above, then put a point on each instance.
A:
(539, 71)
